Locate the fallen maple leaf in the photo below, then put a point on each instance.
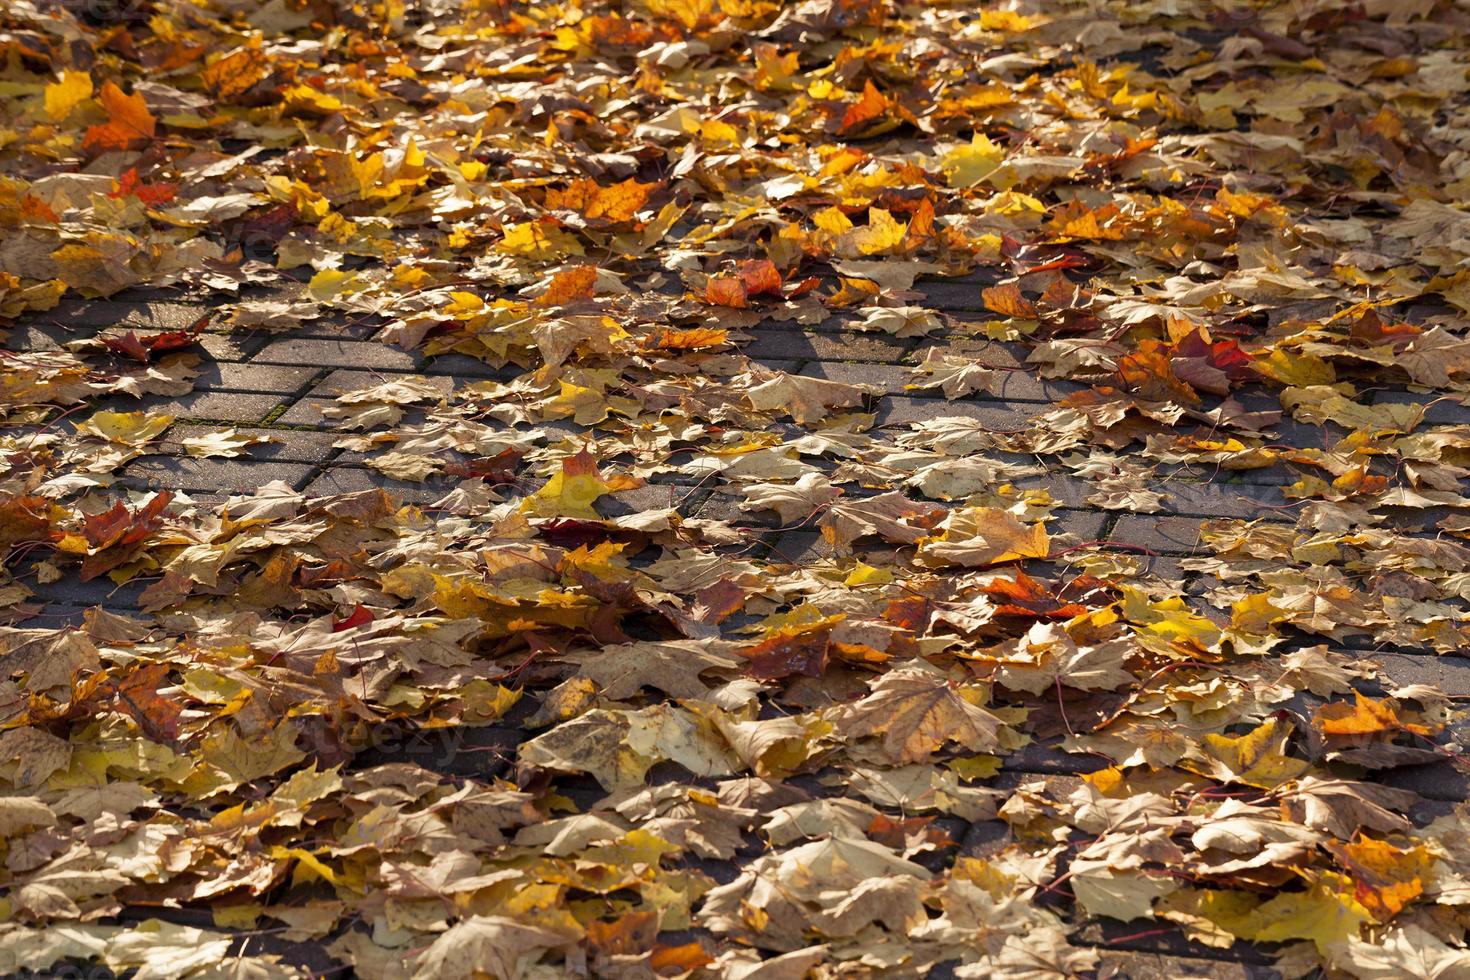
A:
(129, 123)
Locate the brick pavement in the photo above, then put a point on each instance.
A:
(277, 385)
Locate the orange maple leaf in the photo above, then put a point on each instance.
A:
(129, 123)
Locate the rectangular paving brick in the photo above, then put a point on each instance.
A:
(895, 379)
(1039, 758)
(240, 475)
(954, 295)
(1438, 410)
(1166, 534)
(1002, 417)
(1013, 379)
(800, 548)
(230, 347)
(792, 344)
(652, 496)
(278, 379)
(890, 377)
(464, 366)
(307, 411)
(240, 408)
(1437, 781)
(338, 327)
(344, 380)
(723, 506)
(1139, 965)
(36, 336)
(351, 479)
(72, 591)
(1085, 525)
(1249, 501)
(1071, 491)
(1450, 674)
(1265, 476)
(290, 446)
(89, 316)
(323, 352)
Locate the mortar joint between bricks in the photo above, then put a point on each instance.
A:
(269, 426)
(318, 469)
(321, 375)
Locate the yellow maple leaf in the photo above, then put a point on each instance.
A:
(62, 97)
(1005, 20)
(541, 241)
(572, 491)
(1168, 623)
(328, 284)
(882, 233)
(1327, 913)
(1256, 758)
(129, 428)
(968, 164)
(1295, 370)
(1255, 614)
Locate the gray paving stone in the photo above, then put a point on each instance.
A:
(243, 408)
(648, 497)
(801, 547)
(230, 347)
(240, 475)
(1002, 417)
(1086, 525)
(323, 352)
(1161, 566)
(1438, 409)
(792, 344)
(964, 296)
(1252, 502)
(890, 377)
(343, 380)
(278, 379)
(89, 316)
(1170, 942)
(1014, 379)
(71, 590)
(351, 479)
(1019, 385)
(1266, 476)
(1450, 674)
(983, 350)
(307, 411)
(722, 506)
(464, 366)
(291, 446)
(1161, 533)
(33, 336)
(1042, 758)
(1010, 386)
(1438, 781)
(1306, 435)
(1071, 491)
(336, 327)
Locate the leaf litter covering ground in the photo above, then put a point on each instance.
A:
(1232, 230)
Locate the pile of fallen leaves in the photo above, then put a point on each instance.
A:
(563, 723)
